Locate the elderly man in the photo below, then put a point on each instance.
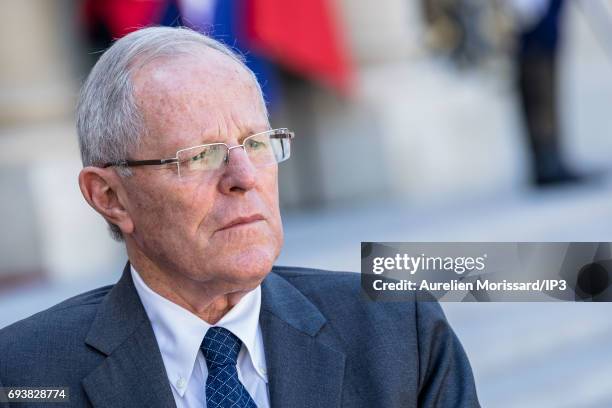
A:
(180, 160)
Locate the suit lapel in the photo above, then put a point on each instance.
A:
(304, 370)
(133, 373)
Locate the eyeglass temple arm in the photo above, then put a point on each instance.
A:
(285, 135)
(133, 163)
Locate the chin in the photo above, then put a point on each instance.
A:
(248, 267)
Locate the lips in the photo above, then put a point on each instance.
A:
(242, 221)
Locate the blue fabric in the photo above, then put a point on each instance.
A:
(228, 27)
(545, 35)
(223, 388)
(171, 16)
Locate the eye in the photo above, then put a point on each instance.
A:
(206, 153)
(255, 144)
(199, 156)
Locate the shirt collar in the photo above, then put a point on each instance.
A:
(179, 332)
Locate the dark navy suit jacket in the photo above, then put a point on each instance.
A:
(326, 346)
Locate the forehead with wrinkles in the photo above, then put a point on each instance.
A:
(191, 96)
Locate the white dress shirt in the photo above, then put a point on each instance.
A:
(179, 334)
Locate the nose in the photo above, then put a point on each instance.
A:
(239, 174)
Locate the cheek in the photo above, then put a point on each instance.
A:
(176, 210)
(192, 207)
(267, 186)
(269, 192)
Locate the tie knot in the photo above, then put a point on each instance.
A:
(220, 347)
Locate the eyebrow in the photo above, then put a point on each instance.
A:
(248, 131)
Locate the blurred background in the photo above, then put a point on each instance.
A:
(416, 120)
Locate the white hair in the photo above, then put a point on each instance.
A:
(109, 123)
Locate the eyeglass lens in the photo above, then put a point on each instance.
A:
(262, 149)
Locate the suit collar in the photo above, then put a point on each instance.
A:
(305, 369)
(288, 304)
(122, 313)
(119, 316)
(300, 349)
(133, 373)
(179, 332)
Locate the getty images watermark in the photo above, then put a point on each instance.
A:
(499, 271)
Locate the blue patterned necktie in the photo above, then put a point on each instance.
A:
(223, 388)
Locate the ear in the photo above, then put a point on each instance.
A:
(101, 189)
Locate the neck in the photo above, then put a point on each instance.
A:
(207, 300)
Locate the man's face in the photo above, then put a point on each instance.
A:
(183, 225)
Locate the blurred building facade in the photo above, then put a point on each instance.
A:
(412, 127)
